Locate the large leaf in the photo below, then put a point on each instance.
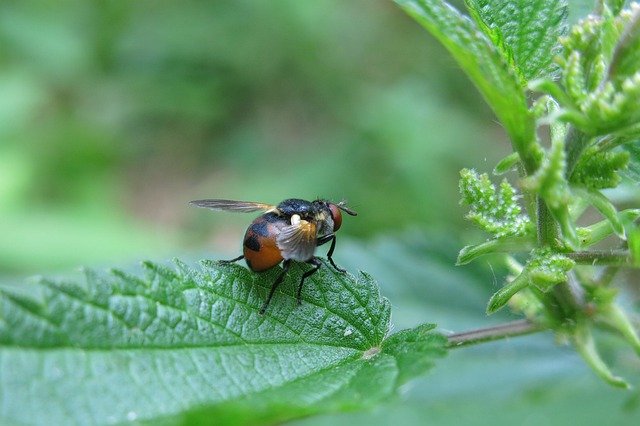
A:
(525, 31)
(532, 379)
(190, 342)
(486, 67)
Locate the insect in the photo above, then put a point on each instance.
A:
(289, 231)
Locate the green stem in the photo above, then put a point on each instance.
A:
(601, 257)
(489, 334)
(547, 226)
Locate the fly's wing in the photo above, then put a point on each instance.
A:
(298, 240)
(232, 206)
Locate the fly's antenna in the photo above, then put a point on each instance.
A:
(342, 205)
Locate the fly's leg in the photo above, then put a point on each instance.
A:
(285, 267)
(316, 265)
(232, 260)
(330, 256)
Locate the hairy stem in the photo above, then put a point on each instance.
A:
(601, 257)
(547, 226)
(489, 334)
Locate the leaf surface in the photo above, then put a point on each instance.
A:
(190, 342)
(525, 31)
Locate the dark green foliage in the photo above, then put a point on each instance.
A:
(123, 347)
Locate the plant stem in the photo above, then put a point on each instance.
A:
(489, 334)
(601, 257)
(547, 226)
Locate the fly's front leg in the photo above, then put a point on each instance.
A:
(330, 255)
(325, 239)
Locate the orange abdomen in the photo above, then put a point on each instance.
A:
(260, 249)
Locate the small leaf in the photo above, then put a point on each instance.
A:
(633, 168)
(546, 268)
(595, 233)
(583, 340)
(494, 210)
(502, 296)
(176, 343)
(615, 316)
(525, 31)
(503, 245)
(626, 57)
(601, 73)
(604, 206)
(506, 164)
(598, 170)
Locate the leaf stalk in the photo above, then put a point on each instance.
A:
(489, 334)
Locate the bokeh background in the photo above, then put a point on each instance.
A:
(114, 114)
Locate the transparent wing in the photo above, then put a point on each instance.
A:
(232, 206)
(298, 240)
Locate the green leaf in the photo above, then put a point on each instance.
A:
(618, 319)
(604, 206)
(546, 268)
(525, 31)
(184, 342)
(598, 170)
(506, 164)
(486, 67)
(585, 344)
(414, 350)
(600, 73)
(598, 231)
(633, 169)
(502, 296)
(537, 377)
(503, 245)
(626, 59)
(495, 210)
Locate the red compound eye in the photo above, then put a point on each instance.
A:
(336, 215)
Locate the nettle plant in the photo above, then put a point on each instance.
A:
(188, 344)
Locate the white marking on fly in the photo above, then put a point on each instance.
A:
(295, 219)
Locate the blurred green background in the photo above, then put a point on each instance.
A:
(114, 114)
